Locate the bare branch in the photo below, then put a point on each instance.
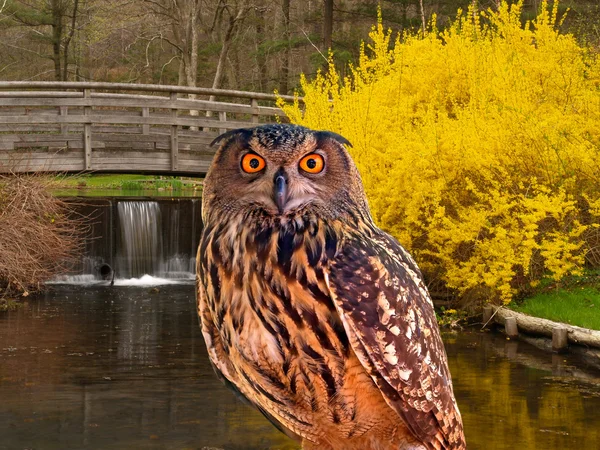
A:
(313, 44)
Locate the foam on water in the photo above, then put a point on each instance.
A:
(143, 281)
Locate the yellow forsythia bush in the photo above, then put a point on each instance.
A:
(479, 146)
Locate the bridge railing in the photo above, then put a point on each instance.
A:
(118, 127)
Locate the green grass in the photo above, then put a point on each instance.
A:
(576, 305)
(127, 184)
(103, 181)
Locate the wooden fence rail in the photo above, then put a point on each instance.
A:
(117, 127)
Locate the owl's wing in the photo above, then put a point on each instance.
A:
(388, 316)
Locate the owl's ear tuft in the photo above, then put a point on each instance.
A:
(242, 132)
(331, 135)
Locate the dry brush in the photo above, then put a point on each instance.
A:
(40, 235)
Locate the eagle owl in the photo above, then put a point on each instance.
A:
(312, 313)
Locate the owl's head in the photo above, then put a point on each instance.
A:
(282, 169)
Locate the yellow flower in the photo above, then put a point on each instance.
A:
(477, 146)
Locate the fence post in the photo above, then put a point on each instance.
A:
(174, 137)
(222, 118)
(87, 132)
(254, 110)
(560, 340)
(510, 326)
(64, 128)
(145, 126)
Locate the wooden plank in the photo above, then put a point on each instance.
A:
(46, 137)
(204, 163)
(47, 162)
(13, 111)
(44, 166)
(22, 144)
(107, 137)
(19, 85)
(25, 152)
(79, 144)
(148, 102)
(34, 128)
(106, 153)
(39, 94)
(138, 167)
(119, 129)
(127, 120)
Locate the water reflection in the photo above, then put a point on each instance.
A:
(514, 396)
(126, 367)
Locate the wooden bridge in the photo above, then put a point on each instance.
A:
(117, 127)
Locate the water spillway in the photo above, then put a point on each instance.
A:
(138, 239)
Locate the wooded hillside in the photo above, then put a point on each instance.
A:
(257, 45)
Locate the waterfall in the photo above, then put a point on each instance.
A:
(141, 245)
(154, 239)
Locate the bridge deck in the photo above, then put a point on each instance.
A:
(104, 127)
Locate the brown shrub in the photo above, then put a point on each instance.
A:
(40, 235)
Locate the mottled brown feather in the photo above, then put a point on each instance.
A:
(380, 294)
(315, 316)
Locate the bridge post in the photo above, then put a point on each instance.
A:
(174, 137)
(87, 133)
(254, 110)
(222, 118)
(145, 127)
(64, 128)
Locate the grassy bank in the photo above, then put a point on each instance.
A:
(576, 303)
(126, 184)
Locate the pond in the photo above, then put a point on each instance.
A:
(125, 367)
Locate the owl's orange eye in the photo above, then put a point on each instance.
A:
(313, 163)
(252, 163)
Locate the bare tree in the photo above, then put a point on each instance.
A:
(327, 24)
(285, 68)
(183, 18)
(423, 22)
(235, 15)
(49, 22)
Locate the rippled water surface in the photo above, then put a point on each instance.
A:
(126, 368)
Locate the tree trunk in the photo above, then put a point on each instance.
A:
(285, 69)
(217, 80)
(57, 32)
(68, 42)
(328, 24)
(261, 56)
(423, 22)
(181, 80)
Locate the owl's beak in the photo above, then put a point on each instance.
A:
(280, 190)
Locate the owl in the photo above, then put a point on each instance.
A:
(313, 314)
